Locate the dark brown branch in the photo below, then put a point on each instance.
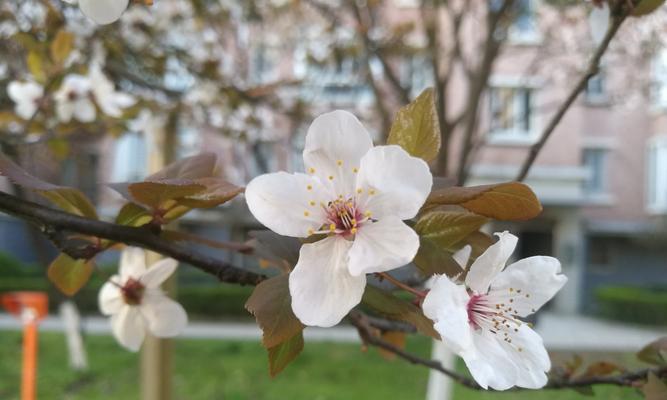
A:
(54, 222)
(365, 326)
(622, 12)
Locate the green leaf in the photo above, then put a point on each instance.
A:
(645, 7)
(392, 307)
(69, 199)
(271, 304)
(655, 352)
(133, 215)
(513, 201)
(36, 66)
(447, 228)
(69, 275)
(416, 129)
(432, 259)
(61, 46)
(282, 354)
(654, 388)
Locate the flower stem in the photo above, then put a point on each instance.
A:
(399, 284)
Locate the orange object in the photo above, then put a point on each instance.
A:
(31, 307)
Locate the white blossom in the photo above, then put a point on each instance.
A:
(110, 101)
(73, 99)
(135, 302)
(480, 320)
(355, 194)
(26, 96)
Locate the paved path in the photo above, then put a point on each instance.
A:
(560, 332)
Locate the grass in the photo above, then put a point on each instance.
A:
(224, 370)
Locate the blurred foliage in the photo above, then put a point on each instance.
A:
(633, 304)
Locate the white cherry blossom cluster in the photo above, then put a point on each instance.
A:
(356, 196)
(76, 98)
(102, 12)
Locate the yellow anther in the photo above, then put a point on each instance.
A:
(312, 203)
(332, 227)
(310, 232)
(354, 222)
(309, 187)
(331, 177)
(311, 170)
(355, 170)
(339, 162)
(353, 231)
(360, 191)
(368, 214)
(511, 289)
(371, 192)
(340, 196)
(306, 213)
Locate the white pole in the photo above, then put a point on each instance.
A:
(72, 327)
(439, 385)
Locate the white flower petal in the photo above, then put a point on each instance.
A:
(335, 144)
(530, 282)
(165, 317)
(462, 256)
(84, 110)
(157, 273)
(489, 364)
(288, 204)
(129, 328)
(110, 298)
(132, 263)
(64, 110)
(532, 361)
(490, 263)
(103, 11)
(25, 95)
(393, 182)
(322, 289)
(446, 304)
(382, 246)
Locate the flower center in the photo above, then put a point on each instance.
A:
(343, 216)
(132, 292)
(496, 313)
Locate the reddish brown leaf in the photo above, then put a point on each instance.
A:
(655, 352)
(395, 338)
(271, 304)
(69, 199)
(504, 201)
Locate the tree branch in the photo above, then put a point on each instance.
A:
(620, 15)
(54, 223)
(365, 326)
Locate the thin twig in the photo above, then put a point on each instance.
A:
(52, 221)
(619, 16)
(366, 330)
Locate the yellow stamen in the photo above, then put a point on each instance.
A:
(306, 213)
(332, 227)
(371, 192)
(331, 177)
(311, 170)
(312, 203)
(355, 170)
(339, 162)
(353, 231)
(309, 187)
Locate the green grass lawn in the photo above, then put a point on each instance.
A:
(212, 370)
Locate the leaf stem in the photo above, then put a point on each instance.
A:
(399, 284)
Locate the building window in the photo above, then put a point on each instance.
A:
(595, 160)
(657, 175)
(524, 28)
(659, 87)
(130, 162)
(511, 112)
(596, 89)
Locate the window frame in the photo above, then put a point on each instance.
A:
(514, 136)
(656, 175)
